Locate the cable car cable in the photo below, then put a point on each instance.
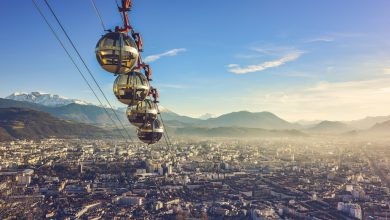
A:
(117, 5)
(162, 121)
(166, 141)
(166, 136)
(98, 15)
(74, 63)
(86, 66)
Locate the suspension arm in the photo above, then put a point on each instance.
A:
(126, 6)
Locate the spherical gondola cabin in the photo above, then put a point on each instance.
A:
(131, 88)
(143, 113)
(151, 133)
(117, 53)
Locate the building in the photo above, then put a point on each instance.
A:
(351, 209)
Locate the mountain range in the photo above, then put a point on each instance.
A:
(89, 114)
(224, 125)
(44, 99)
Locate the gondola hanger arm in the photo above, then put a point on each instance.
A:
(126, 6)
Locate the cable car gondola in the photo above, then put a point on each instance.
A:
(151, 133)
(143, 113)
(117, 52)
(131, 88)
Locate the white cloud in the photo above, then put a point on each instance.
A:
(172, 86)
(274, 50)
(387, 70)
(232, 65)
(330, 37)
(169, 53)
(234, 68)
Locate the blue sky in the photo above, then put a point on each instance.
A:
(299, 59)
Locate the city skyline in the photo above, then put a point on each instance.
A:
(267, 57)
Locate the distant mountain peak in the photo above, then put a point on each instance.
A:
(207, 116)
(45, 99)
(265, 120)
(163, 109)
(327, 122)
(330, 127)
(383, 125)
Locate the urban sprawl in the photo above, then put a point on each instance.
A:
(275, 178)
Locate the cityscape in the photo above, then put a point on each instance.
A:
(273, 178)
(195, 110)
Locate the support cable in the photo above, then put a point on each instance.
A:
(86, 66)
(75, 64)
(117, 5)
(166, 135)
(98, 15)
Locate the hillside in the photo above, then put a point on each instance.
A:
(20, 123)
(89, 114)
(381, 128)
(368, 122)
(170, 116)
(328, 127)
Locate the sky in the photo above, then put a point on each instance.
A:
(302, 59)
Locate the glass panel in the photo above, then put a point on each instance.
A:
(150, 105)
(138, 80)
(108, 42)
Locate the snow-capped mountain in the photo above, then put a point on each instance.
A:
(44, 99)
